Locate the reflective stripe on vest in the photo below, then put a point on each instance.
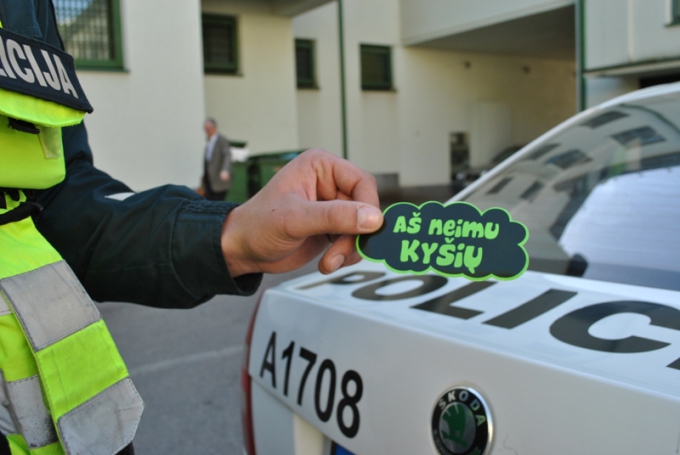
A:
(63, 378)
(26, 407)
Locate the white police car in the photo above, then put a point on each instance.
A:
(579, 355)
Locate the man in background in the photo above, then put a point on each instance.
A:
(216, 163)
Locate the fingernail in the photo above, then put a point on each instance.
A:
(336, 262)
(368, 218)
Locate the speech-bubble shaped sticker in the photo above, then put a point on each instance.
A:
(451, 240)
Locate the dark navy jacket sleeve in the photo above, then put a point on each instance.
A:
(159, 247)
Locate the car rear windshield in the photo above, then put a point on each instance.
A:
(601, 199)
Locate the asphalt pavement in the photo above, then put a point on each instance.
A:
(186, 366)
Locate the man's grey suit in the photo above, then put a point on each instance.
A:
(219, 161)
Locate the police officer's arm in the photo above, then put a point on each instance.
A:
(159, 247)
(285, 225)
(164, 247)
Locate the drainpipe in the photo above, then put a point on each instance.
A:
(581, 89)
(343, 95)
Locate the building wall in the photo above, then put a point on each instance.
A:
(319, 110)
(372, 117)
(624, 41)
(145, 137)
(601, 89)
(373, 123)
(423, 20)
(635, 31)
(259, 104)
(138, 133)
(437, 92)
(494, 99)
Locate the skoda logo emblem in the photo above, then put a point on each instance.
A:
(461, 423)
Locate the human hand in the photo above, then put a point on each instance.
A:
(315, 201)
(224, 175)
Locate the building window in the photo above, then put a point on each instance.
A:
(220, 44)
(675, 11)
(304, 63)
(90, 30)
(376, 67)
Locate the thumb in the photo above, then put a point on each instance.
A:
(335, 217)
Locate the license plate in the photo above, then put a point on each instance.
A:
(337, 449)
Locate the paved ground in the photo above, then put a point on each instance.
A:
(186, 366)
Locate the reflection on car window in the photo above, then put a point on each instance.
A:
(603, 200)
(568, 159)
(532, 191)
(500, 185)
(638, 136)
(540, 151)
(603, 119)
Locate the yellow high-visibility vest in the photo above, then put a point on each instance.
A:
(64, 388)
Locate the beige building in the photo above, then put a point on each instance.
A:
(151, 84)
(462, 77)
(628, 45)
(413, 88)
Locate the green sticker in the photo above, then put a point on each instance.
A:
(451, 240)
